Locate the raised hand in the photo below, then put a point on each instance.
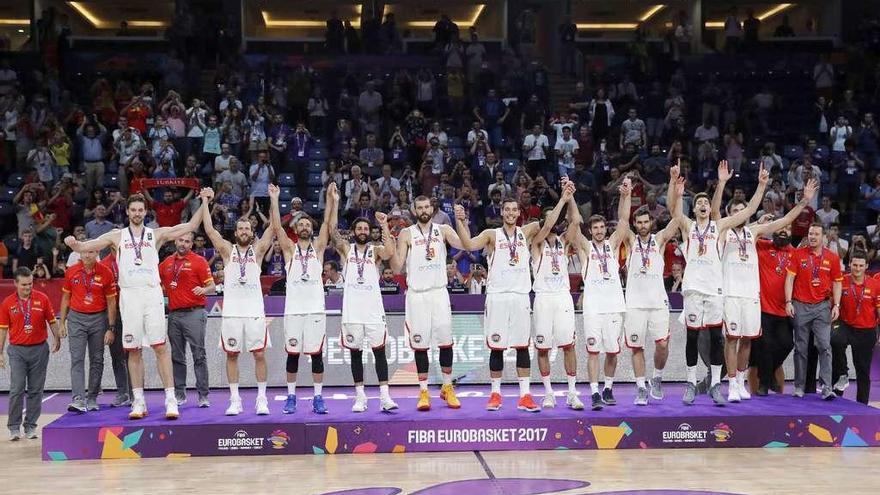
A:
(70, 241)
(763, 176)
(382, 219)
(766, 218)
(679, 186)
(567, 191)
(274, 191)
(460, 213)
(811, 189)
(333, 192)
(724, 173)
(675, 170)
(206, 194)
(625, 188)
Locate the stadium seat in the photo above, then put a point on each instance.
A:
(6, 210)
(509, 165)
(286, 180)
(311, 207)
(315, 180)
(285, 195)
(318, 154)
(319, 142)
(455, 142)
(792, 152)
(317, 166)
(313, 194)
(457, 154)
(15, 180)
(823, 151)
(111, 182)
(7, 194)
(284, 207)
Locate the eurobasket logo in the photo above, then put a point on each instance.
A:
(240, 440)
(685, 434)
(279, 439)
(722, 432)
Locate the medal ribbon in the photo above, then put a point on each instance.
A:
(428, 238)
(511, 245)
(25, 311)
(814, 267)
(87, 282)
(603, 258)
(176, 269)
(304, 259)
(781, 261)
(701, 237)
(555, 251)
(743, 243)
(644, 251)
(242, 261)
(137, 245)
(858, 295)
(360, 262)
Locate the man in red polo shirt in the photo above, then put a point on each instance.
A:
(168, 211)
(118, 357)
(859, 309)
(186, 279)
(25, 316)
(88, 317)
(776, 341)
(813, 279)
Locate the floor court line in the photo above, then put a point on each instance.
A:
(484, 464)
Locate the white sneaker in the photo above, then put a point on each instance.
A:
(574, 402)
(234, 408)
(171, 411)
(138, 409)
(387, 403)
(360, 404)
(549, 401)
(733, 392)
(262, 406)
(744, 393)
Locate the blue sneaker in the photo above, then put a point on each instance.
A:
(289, 405)
(318, 405)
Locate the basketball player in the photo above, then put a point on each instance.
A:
(507, 320)
(647, 305)
(244, 318)
(553, 315)
(141, 302)
(741, 286)
(422, 248)
(702, 285)
(305, 324)
(363, 313)
(604, 306)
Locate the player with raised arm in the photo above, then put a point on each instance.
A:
(141, 302)
(507, 321)
(305, 323)
(244, 317)
(647, 304)
(703, 283)
(553, 317)
(421, 248)
(363, 312)
(742, 287)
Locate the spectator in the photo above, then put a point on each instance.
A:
(335, 34)
(839, 134)
(827, 215)
(633, 130)
(318, 109)
(500, 185)
(536, 148)
(870, 192)
(674, 281)
(387, 183)
(733, 32)
(835, 243)
(371, 157)
(528, 210)
(387, 283)
(91, 136)
(354, 187)
(784, 30)
(27, 254)
(99, 225)
(751, 27)
(369, 106)
(601, 115)
(168, 211)
(491, 114)
(565, 150)
(867, 138)
(478, 279)
(332, 278)
(261, 174)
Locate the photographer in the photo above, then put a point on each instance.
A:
(91, 135)
(859, 242)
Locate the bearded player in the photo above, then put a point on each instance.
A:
(141, 302)
(244, 317)
(422, 249)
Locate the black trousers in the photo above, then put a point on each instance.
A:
(862, 341)
(777, 341)
(812, 365)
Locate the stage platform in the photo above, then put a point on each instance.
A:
(773, 421)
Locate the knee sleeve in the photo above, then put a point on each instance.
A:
(496, 360)
(357, 366)
(422, 361)
(716, 346)
(292, 363)
(317, 364)
(381, 364)
(522, 359)
(446, 357)
(692, 349)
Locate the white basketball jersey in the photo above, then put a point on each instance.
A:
(740, 265)
(602, 290)
(507, 273)
(242, 297)
(551, 269)
(644, 275)
(361, 300)
(703, 272)
(426, 265)
(136, 275)
(305, 289)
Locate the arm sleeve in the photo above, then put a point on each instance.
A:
(67, 286)
(49, 313)
(203, 272)
(4, 315)
(793, 261)
(836, 274)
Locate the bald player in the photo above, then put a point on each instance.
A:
(421, 248)
(702, 286)
(141, 302)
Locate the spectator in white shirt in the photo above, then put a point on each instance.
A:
(354, 187)
(475, 130)
(437, 133)
(230, 101)
(706, 132)
(827, 215)
(565, 152)
(835, 243)
(633, 130)
(839, 134)
(387, 183)
(535, 147)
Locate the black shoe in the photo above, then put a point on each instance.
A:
(763, 391)
(608, 397)
(703, 385)
(597, 402)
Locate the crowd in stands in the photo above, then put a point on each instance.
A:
(472, 130)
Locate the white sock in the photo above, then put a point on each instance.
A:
(261, 389)
(383, 390)
(447, 378)
(291, 388)
(609, 381)
(692, 375)
(233, 391)
(594, 387)
(359, 391)
(496, 385)
(658, 373)
(640, 381)
(572, 380)
(318, 387)
(138, 393)
(423, 384)
(548, 387)
(741, 378)
(716, 374)
(523, 385)
(169, 394)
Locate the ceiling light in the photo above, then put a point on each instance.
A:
(102, 24)
(650, 13)
(469, 23)
(14, 22)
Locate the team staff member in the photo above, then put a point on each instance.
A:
(186, 278)
(813, 278)
(859, 308)
(776, 341)
(88, 317)
(117, 353)
(25, 315)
